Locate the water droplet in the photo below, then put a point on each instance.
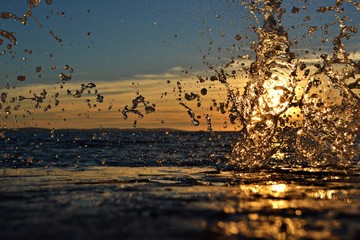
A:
(38, 69)
(3, 97)
(55, 36)
(99, 98)
(91, 85)
(21, 78)
(149, 109)
(64, 77)
(203, 91)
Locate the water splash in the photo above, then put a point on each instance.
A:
(330, 128)
(134, 108)
(329, 105)
(331, 110)
(191, 114)
(267, 95)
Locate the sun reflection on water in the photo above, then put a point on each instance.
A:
(280, 188)
(225, 205)
(272, 209)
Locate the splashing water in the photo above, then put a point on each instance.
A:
(24, 20)
(299, 123)
(267, 95)
(328, 134)
(330, 108)
(331, 111)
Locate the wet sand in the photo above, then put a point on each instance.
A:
(178, 203)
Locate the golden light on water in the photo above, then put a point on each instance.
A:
(278, 188)
(276, 210)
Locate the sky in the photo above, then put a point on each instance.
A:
(129, 48)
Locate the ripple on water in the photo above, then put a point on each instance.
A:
(273, 203)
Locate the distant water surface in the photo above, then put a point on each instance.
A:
(64, 148)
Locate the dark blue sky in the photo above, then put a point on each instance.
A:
(125, 38)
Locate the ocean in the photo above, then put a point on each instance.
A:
(113, 147)
(163, 184)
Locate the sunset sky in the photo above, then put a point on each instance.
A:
(129, 48)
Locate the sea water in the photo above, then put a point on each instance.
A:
(271, 180)
(112, 147)
(71, 184)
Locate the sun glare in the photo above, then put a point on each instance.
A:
(279, 188)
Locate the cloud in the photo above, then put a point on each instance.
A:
(177, 69)
(155, 76)
(174, 72)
